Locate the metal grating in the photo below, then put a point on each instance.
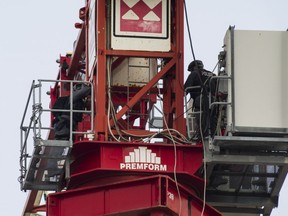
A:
(47, 165)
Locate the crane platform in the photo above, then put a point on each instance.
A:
(47, 165)
(252, 171)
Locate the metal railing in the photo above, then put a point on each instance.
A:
(191, 114)
(33, 127)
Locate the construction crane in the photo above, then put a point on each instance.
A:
(132, 150)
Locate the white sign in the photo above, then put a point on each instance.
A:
(143, 159)
(140, 25)
(143, 18)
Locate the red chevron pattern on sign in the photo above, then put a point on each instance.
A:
(141, 16)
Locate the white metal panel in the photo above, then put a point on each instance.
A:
(140, 25)
(228, 69)
(260, 77)
(134, 72)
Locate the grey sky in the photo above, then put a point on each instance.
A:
(34, 34)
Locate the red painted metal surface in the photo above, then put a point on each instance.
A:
(156, 194)
(100, 72)
(131, 178)
(171, 73)
(95, 160)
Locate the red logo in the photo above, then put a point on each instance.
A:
(141, 16)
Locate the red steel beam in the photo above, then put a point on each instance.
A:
(100, 82)
(139, 54)
(145, 89)
(178, 120)
(78, 50)
(156, 195)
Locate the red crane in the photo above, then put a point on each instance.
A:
(129, 155)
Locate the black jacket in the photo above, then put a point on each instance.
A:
(200, 78)
(78, 104)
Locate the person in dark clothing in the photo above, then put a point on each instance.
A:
(61, 120)
(199, 85)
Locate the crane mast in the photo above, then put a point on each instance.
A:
(132, 152)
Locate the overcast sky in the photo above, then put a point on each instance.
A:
(34, 33)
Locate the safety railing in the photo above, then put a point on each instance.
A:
(192, 115)
(32, 130)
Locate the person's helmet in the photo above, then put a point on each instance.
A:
(195, 64)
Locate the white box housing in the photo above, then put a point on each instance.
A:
(257, 61)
